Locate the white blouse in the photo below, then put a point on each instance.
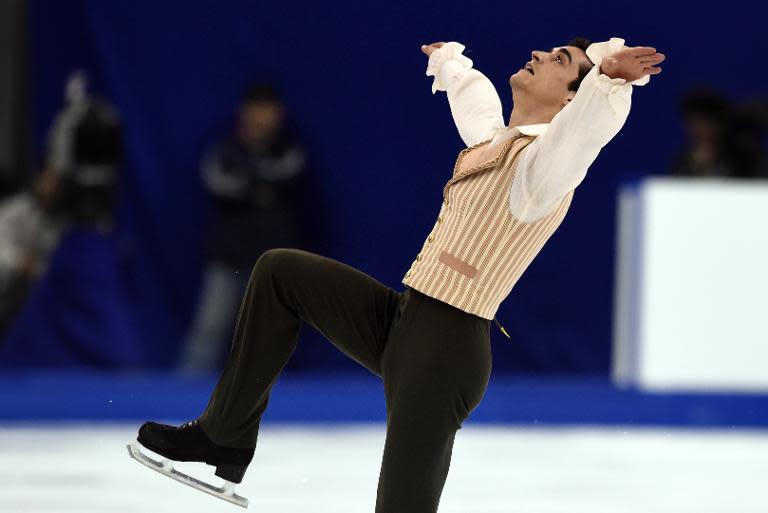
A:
(556, 161)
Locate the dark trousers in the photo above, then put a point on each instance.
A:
(434, 360)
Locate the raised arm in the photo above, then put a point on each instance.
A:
(473, 100)
(557, 161)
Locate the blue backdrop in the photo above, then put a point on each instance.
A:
(382, 147)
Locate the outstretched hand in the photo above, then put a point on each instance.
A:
(632, 63)
(428, 49)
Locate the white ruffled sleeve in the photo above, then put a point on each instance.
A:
(556, 162)
(599, 51)
(474, 102)
(448, 52)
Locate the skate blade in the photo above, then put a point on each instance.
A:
(165, 467)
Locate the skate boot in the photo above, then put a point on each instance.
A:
(188, 442)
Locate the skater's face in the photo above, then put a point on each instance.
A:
(546, 79)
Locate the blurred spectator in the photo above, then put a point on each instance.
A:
(749, 128)
(705, 117)
(724, 139)
(77, 187)
(30, 227)
(254, 178)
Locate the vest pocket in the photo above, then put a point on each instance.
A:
(457, 264)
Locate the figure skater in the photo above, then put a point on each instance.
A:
(509, 191)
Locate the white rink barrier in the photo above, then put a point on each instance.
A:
(691, 302)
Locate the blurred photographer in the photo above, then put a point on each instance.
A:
(31, 223)
(85, 151)
(77, 187)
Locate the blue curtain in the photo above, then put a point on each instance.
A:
(381, 146)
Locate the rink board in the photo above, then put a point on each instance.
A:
(360, 398)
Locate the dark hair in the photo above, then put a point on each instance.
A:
(261, 92)
(580, 42)
(706, 102)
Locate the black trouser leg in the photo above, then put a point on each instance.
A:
(436, 368)
(434, 359)
(288, 286)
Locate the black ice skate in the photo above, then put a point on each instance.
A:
(188, 442)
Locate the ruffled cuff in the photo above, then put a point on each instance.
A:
(598, 51)
(607, 84)
(449, 52)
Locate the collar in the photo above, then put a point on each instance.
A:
(505, 133)
(534, 130)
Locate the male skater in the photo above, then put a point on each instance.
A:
(430, 344)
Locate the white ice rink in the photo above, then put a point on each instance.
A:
(334, 469)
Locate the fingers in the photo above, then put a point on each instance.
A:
(428, 49)
(638, 51)
(652, 60)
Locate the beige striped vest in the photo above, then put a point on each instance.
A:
(477, 249)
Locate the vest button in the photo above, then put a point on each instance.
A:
(439, 219)
(418, 257)
(430, 238)
(445, 202)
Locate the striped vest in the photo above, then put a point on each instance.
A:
(477, 249)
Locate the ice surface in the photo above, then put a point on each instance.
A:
(316, 469)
